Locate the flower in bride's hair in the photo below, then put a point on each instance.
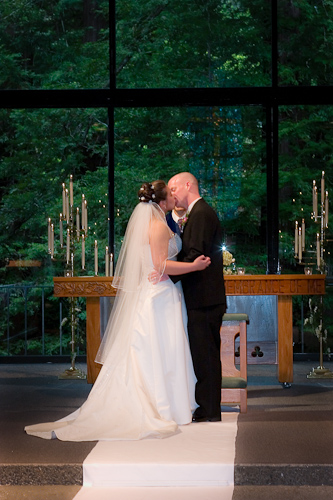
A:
(153, 195)
(142, 198)
(142, 189)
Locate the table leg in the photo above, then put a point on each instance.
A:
(93, 333)
(285, 338)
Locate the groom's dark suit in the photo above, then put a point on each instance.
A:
(206, 303)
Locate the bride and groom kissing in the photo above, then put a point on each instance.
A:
(160, 353)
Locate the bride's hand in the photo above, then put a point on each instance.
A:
(154, 277)
(202, 262)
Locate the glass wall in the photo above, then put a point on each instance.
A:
(227, 45)
(40, 149)
(54, 45)
(223, 147)
(305, 42)
(193, 44)
(305, 156)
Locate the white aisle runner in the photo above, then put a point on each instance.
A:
(200, 457)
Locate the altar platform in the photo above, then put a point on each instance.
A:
(284, 443)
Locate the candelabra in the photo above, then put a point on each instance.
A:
(76, 230)
(319, 217)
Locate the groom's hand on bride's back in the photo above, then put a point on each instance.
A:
(199, 264)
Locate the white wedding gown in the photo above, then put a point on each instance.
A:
(146, 386)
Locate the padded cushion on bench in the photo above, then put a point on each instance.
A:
(234, 317)
(233, 383)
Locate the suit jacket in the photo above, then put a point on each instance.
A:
(202, 235)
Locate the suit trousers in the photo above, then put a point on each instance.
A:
(204, 337)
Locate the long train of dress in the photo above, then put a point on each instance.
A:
(146, 387)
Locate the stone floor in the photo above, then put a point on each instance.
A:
(284, 445)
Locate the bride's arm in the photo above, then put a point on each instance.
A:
(159, 241)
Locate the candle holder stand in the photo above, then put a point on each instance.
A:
(321, 218)
(74, 234)
(320, 371)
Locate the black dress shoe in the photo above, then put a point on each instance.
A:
(206, 419)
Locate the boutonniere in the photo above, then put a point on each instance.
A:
(182, 221)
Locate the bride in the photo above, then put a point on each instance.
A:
(146, 385)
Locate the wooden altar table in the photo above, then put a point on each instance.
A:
(282, 285)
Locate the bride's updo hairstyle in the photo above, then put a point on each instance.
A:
(152, 192)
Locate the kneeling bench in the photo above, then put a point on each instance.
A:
(234, 380)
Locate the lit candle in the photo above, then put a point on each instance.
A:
(64, 199)
(78, 224)
(82, 213)
(322, 187)
(326, 209)
(49, 235)
(296, 238)
(67, 204)
(83, 252)
(318, 251)
(61, 232)
(314, 199)
(299, 244)
(107, 262)
(68, 244)
(52, 240)
(303, 234)
(96, 258)
(111, 264)
(71, 197)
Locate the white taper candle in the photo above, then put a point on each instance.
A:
(318, 251)
(68, 247)
(315, 199)
(49, 235)
(303, 234)
(107, 262)
(64, 199)
(96, 258)
(71, 194)
(111, 264)
(52, 240)
(83, 259)
(78, 224)
(61, 235)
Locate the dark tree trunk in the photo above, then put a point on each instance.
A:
(93, 21)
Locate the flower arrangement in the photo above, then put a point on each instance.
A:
(227, 261)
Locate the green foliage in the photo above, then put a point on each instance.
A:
(160, 43)
(192, 44)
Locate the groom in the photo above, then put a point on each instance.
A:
(204, 294)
